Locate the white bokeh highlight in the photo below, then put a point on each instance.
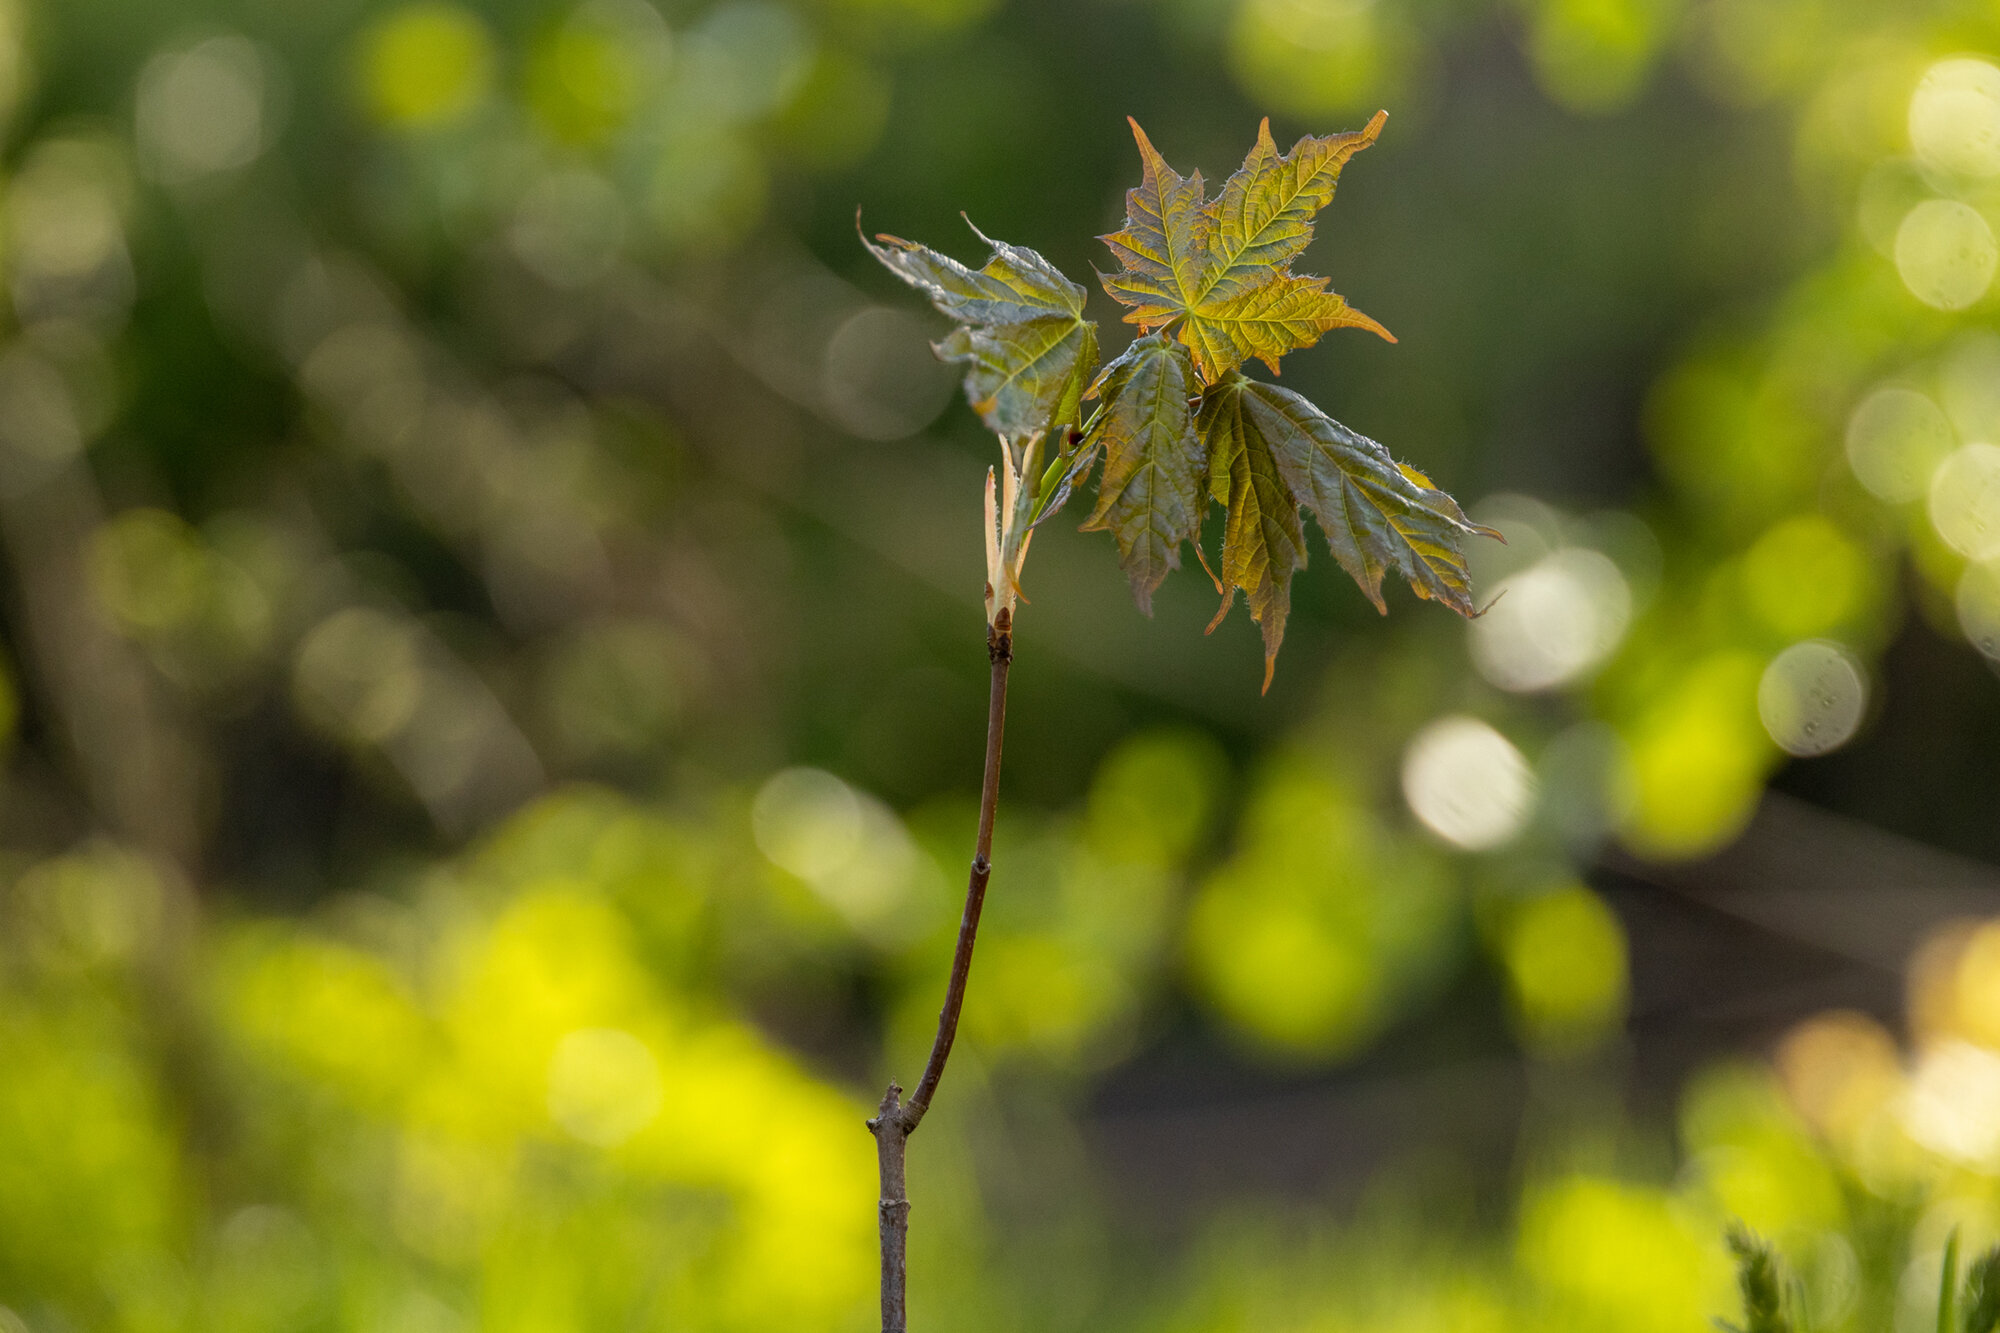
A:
(1552, 623)
(1955, 117)
(849, 848)
(203, 110)
(1978, 604)
(1945, 253)
(1467, 783)
(1812, 698)
(1965, 501)
(1952, 1104)
(1896, 438)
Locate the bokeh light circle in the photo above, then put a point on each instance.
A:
(604, 1085)
(1945, 253)
(881, 381)
(201, 111)
(1467, 783)
(1969, 384)
(1978, 601)
(1553, 622)
(1965, 501)
(806, 821)
(1955, 117)
(850, 849)
(426, 64)
(1895, 440)
(1812, 698)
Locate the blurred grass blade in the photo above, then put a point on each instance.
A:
(1982, 1294)
(1947, 1317)
(1759, 1278)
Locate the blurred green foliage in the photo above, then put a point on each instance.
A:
(492, 669)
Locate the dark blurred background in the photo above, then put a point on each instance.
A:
(493, 677)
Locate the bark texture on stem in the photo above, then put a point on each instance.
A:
(887, 1127)
(896, 1120)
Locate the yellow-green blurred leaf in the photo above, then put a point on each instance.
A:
(426, 64)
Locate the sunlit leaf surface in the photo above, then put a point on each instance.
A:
(1220, 269)
(1021, 332)
(1151, 494)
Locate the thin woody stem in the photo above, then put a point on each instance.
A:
(887, 1127)
(1000, 648)
(896, 1119)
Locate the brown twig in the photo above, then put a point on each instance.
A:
(897, 1120)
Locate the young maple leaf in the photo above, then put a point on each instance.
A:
(1270, 452)
(1021, 333)
(1218, 271)
(1150, 496)
(1209, 282)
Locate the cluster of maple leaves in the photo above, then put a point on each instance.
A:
(1177, 424)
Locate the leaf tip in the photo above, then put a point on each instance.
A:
(862, 235)
(1375, 124)
(1202, 556)
(1347, 317)
(967, 218)
(1148, 155)
(1228, 600)
(1270, 666)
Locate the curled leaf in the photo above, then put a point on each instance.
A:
(1209, 284)
(1028, 351)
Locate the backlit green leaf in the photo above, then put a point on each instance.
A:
(1263, 540)
(1761, 1280)
(1026, 377)
(1264, 215)
(1163, 248)
(1016, 284)
(1377, 514)
(1982, 1294)
(1028, 351)
(1220, 269)
(1284, 314)
(1209, 283)
(1150, 497)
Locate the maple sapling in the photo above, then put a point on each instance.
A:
(1176, 425)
